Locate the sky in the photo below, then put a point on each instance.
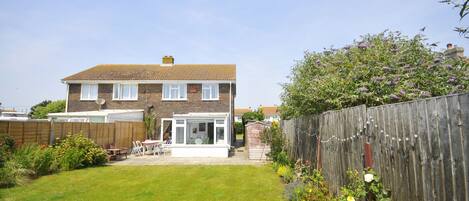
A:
(42, 42)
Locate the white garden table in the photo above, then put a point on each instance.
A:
(151, 145)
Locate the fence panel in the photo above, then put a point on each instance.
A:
(420, 148)
(121, 134)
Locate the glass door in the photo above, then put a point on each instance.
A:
(179, 129)
(220, 125)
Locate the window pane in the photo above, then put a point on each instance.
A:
(125, 91)
(166, 91)
(179, 135)
(179, 121)
(220, 134)
(174, 93)
(183, 91)
(220, 121)
(133, 91)
(85, 90)
(116, 91)
(206, 93)
(94, 92)
(215, 91)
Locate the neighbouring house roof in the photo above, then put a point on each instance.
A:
(157, 72)
(270, 110)
(92, 113)
(241, 111)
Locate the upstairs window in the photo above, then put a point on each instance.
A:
(174, 91)
(89, 92)
(125, 92)
(210, 92)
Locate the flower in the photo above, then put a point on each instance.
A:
(368, 178)
(350, 198)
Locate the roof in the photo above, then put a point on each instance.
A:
(270, 110)
(157, 72)
(92, 113)
(241, 111)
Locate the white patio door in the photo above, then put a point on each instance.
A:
(179, 131)
(220, 133)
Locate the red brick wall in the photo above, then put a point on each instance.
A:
(151, 94)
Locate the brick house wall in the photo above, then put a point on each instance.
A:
(151, 94)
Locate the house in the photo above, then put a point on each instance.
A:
(193, 103)
(238, 113)
(271, 113)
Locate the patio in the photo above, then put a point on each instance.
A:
(238, 158)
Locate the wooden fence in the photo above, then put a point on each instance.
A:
(419, 148)
(121, 134)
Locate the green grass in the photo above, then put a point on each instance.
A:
(239, 136)
(117, 183)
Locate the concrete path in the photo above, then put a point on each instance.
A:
(239, 158)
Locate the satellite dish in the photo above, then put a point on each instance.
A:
(100, 101)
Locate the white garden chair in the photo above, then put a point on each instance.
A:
(137, 148)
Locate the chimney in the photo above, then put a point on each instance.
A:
(454, 51)
(168, 60)
(449, 46)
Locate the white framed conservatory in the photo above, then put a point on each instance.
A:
(198, 134)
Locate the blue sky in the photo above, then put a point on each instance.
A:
(44, 41)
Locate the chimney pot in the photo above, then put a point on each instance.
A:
(449, 46)
(168, 60)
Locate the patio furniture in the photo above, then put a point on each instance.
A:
(164, 148)
(137, 148)
(115, 153)
(151, 145)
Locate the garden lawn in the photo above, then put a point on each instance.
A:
(153, 183)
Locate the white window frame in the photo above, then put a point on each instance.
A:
(215, 126)
(174, 129)
(119, 91)
(180, 87)
(211, 88)
(88, 96)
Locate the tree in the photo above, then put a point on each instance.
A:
(41, 104)
(41, 110)
(375, 70)
(256, 115)
(463, 7)
(149, 121)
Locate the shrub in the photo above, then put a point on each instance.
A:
(77, 152)
(13, 173)
(257, 115)
(286, 173)
(7, 146)
(357, 187)
(314, 188)
(274, 137)
(291, 190)
(375, 70)
(239, 127)
(39, 160)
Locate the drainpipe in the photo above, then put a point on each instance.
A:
(231, 127)
(66, 98)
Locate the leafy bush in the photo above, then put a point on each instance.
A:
(274, 137)
(7, 146)
(39, 160)
(291, 190)
(357, 187)
(77, 152)
(286, 173)
(13, 173)
(239, 127)
(376, 70)
(314, 188)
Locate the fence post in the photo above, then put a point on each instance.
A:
(368, 155)
(318, 152)
(51, 133)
